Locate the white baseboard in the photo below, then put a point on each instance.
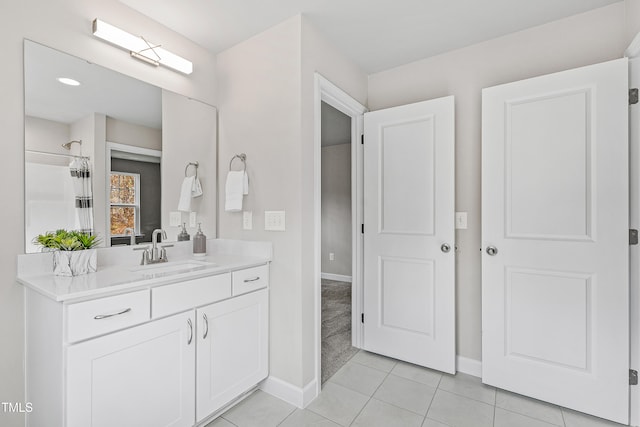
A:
(336, 277)
(469, 366)
(296, 396)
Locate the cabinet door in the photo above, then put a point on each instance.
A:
(139, 377)
(232, 350)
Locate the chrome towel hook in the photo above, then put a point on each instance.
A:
(242, 157)
(196, 164)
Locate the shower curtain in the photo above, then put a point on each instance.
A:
(80, 169)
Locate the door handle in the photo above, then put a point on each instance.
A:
(492, 250)
(190, 331)
(445, 247)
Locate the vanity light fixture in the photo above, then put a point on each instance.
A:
(140, 48)
(69, 82)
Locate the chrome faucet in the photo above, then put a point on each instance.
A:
(153, 255)
(132, 242)
(154, 244)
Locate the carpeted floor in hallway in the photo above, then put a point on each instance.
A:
(336, 327)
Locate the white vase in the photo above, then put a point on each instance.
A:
(75, 263)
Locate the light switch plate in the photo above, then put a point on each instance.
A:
(175, 218)
(461, 220)
(247, 220)
(274, 220)
(193, 219)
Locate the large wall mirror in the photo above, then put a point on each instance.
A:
(95, 151)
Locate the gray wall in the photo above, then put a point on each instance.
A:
(336, 209)
(588, 38)
(266, 93)
(150, 194)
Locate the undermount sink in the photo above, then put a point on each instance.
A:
(171, 268)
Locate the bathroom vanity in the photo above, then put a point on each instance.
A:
(168, 344)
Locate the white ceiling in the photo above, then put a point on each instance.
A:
(376, 34)
(101, 91)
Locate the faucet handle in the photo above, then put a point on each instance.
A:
(145, 254)
(163, 252)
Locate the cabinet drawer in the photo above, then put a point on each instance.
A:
(182, 296)
(250, 279)
(100, 316)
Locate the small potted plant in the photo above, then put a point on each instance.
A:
(73, 251)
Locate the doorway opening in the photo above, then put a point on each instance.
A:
(331, 96)
(336, 252)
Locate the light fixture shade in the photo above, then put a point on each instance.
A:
(140, 48)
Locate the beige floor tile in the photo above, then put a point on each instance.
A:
(417, 373)
(530, 407)
(406, 394)
(338, 404)
(259, 410)
(380, 414)
(304, 418)
(460, 411)
(375, 361)
(468, 386)
(505, 418)
(360, 378)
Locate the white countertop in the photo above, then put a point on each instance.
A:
(119, 271)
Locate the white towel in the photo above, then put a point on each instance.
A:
(245, 184)
(190, 188)
(196, 188)
(184, 204)
(236, 187)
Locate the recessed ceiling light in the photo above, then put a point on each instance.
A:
(68, 81)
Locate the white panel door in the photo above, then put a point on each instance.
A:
(139, 377)
(555, 314)
(233, 345)
(409, 240)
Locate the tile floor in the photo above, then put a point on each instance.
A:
(372, 391)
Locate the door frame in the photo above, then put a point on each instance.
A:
(328, 92)
(633, 53)
(134, 150)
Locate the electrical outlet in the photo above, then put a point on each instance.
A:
(461, 220)
(247, 220)
(175, 219)
(332, 256)
(193, 219)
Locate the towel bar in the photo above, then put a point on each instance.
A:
(196, 164)
(242, 157)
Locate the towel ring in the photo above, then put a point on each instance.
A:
(186, 168)
(242, 157)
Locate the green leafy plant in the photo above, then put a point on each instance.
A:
(64, 240)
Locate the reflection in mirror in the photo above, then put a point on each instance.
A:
(134, 193)
(115, 122)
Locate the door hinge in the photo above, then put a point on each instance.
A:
(633, 237)
(362, 229)
(633, 377)
(633, 96)
(362, 320)
(362, 139)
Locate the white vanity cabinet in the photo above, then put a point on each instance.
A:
(232, 351)
(142, 376)
(168, 355)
